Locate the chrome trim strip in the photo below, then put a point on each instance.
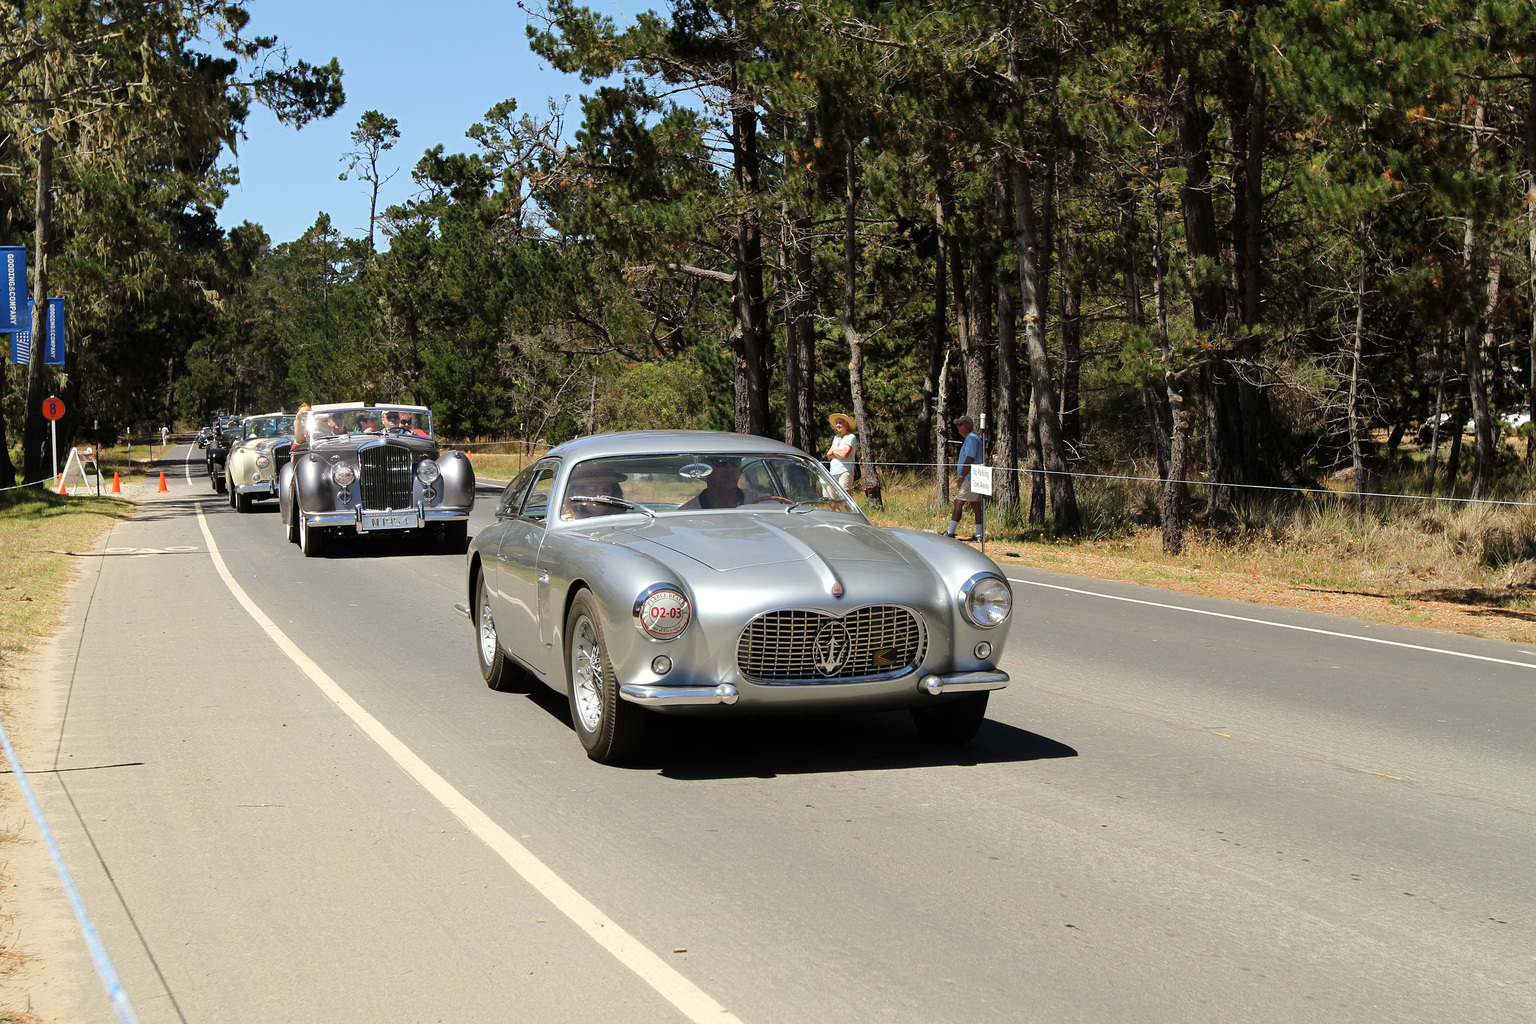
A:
(962, 682)
(653, 695)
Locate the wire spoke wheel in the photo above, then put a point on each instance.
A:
(608, 726)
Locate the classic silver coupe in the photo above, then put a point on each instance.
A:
(696, 573)
(371, 469)
(256, 459)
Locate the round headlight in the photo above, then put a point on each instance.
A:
(343, 474)
(426, 471)
(987, 601)
(263, 461)
(664, 613)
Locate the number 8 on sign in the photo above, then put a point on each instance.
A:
(53, 408)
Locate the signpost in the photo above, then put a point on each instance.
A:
(53, 408)
(981, 483)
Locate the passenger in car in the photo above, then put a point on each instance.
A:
(588, 481)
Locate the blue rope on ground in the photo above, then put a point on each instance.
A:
(109, 979)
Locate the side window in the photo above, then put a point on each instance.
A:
(536, 504)
(756, 477)
(512, 496)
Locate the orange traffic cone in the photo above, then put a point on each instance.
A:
(62, 488)
(163, 488)
(117, 486)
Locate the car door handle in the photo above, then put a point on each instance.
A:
(543, 576)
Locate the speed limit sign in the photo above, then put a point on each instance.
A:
(53, 408)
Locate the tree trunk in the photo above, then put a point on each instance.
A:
(784, 285)
(1530, 248)
(33, 438)
(1356, 457)
(1174, 490)
(805, 332)
(1477, 342)
(1066, 520)
(751, 344)
(941, 433)
(868, 472)
(963, 324)
(928, 427)
(1005, 451)
(1071, 292)
(1208, 305)
(1453, 457)
(1434, 424)
(1038, 481)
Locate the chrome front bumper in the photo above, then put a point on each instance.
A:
(269, 488)
(354, 517)
(658, 695)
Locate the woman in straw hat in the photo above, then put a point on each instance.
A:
(840, 453)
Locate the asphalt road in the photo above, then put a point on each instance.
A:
(1170, 816)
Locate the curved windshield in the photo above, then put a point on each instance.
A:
(267, 426)
(378, 419)
(750, 482)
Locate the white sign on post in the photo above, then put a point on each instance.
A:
(981, 479)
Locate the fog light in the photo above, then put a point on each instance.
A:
(661, 664)
(344, 497)
(983, 650)
(428, 493)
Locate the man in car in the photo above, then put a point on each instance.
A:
(368, 421)
(720, 487)
(589, 480)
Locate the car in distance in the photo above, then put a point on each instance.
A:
(216, 450)
(703, 573)
(367, 469)
(256, 459)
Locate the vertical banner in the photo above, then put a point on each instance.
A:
(15, 314)
(53, 352)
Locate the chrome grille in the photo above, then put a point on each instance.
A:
(798, 646)
(384, 473)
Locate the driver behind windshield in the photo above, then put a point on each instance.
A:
(591, 481)
(720, 487)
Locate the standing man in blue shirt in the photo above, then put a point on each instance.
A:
(971, 453)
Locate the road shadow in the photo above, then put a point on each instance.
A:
(698, 749)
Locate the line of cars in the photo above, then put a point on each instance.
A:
(673, 572)
(345, 468)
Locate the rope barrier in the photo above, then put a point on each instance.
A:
(1213, 483)
(18, 487)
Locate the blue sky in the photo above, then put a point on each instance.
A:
(436, 68)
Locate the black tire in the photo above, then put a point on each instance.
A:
(291, 525)
(217, 478)
(312, 540)
(454, 537)
(954, 722)
(609, 727)
(242, 502)
(498, 674)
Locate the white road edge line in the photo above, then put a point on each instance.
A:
(1277, 625)
(691, 1000)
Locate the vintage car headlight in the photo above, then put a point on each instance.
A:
(662, 612)
(986, 601)
(263, 462)
(343, 474)
(426, 471)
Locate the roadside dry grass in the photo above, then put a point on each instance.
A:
(1453, 567)
(37, 530)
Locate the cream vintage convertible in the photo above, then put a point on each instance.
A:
(256, 458)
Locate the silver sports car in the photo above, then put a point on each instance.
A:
(692, 572)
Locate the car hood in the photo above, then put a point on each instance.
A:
(745, 540)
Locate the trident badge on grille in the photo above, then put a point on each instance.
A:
(830, 648)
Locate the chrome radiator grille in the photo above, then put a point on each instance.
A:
(805, 646)
(384, 473)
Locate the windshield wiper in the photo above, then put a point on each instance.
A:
(802, 507)
(608, 499)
